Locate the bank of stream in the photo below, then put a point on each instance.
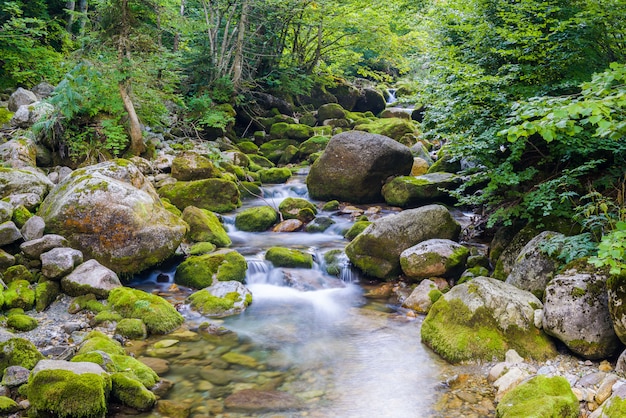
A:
(317, 337)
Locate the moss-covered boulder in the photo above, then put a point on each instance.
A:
(158, 314)
(45, 293)
(131, 392)
(21, 322)
(121, 363)
(297, 208)
(216, 195)
(273, 150)
(205, 226)
(355, 165)
(370, 100)
(17, 352)
(90, 277)
(248, 147)
(446, 164)
(8, 406)
(298, 132)
(376, 251)
(483, 319)
(356, 229)
(132, 328)
(31, 184)
(201, 271)
(312, 145)
(188, 166)
(286, 257)
(540, 397)
(434, 258)
(330, 111)
(256, 219)
(19, 294)
(260, 161)
(97, 341)
(221, 299)
(394, 128)
(506, 246)
(409, 191)
(111, 213)
(275, 175)
(65, 389)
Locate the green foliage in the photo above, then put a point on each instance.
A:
(612, 250)
(569, 248)
(206, 114)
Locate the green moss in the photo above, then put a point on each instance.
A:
(275, 149)
(98, 357)
(434, 295)
(312, 145)
(285, 257)
(19, 295)
(205, 226)
(18, 272)
(249, 189)
(97, 341)
(248, 147)
(159, 315)
(394, 128)
(86, 302)
(256, 219)
(275, 175)
(202, 248)
(45, 293)
(7, 405)
(615, 407)
(208, 304)
(291, 131)
(132, 328)
(20, 215)
(199, 271)
(331, 205)
(292, 207)
(578, 292)
(106, 316)
(135, 369)
(457, 334)
(131, 392)
(260, 161)
(66, 394)
(171, 208)
(216, 195)
(21, 322)
(18, 352)
(356, 229)
(544, 396)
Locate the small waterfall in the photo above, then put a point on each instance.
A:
(392, 96)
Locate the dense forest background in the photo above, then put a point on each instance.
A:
(528, 95)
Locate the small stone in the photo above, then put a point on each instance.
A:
(538, 320)
(15, 376)
(578, 393)
(165, 343)
(512, 357)
(605, 389)
(510, 380)
(605, 366)
(497, 371)
(592, 406)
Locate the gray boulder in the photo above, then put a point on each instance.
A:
(221, 299)
(111, 213)
(533, 268)
(376, 251)
(59, 262)
(576, 312)
(90, 277)
(24, 186)
(412, 191)
(422, 297)
(19, 153)
(434, 258)
(616, 290)
(33, 228)
(370, 100)
(6, 211)
(28, 115)
(355, 165)
(21, 97)
(43, 90)
(9, 233)
(34, 248)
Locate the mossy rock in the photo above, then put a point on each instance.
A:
(410, 191)
(121, 363)
(18, 352)
(106, 316)
(285, 257)
(356, 229)
(257, 219)
(294, 131)
(200, 248)
(334, 261)
(20, 215)
(87, 302)
(199, 271)
(216, 195)
(8, 406)
(205, 226)
(21, 322)
(222, 299)
(320, 224)
(131, 392)
(261, 161)
(248, 147)
(158, 314)
(330, 206)
(97, 341)
(64, 394)
(132, 328)
(189, 166)
(540, 397)
(18, 272)
(445, 164)
(292, 208)
(289, 155)
(330, 111)
(273, 150)
(19, 294)
(394, 128)
(45, 293)
(171, 208)
(312, 145)
(275, 175)
(248, 189)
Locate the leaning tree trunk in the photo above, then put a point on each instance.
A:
(136, 138)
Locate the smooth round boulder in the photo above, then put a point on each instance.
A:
(354, 166)
(434, 258)
(24, 186)
(111, 213)
(19, 153)
(205, 226)
(370, 100)
(330, 111)
(201, 271)
(60, 261)
(409, 191)
(541, 396)
(483, 319)
(257, 219)
(422, 297)
(214, 194)
(576, 311)
(90, 277)
(193, 166)
(376, 250)
(21, 97)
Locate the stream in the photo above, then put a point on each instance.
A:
(339, 352)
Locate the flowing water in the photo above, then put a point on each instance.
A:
(321, 340)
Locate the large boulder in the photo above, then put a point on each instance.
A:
(376, 251)
(412, 191)
(616, 288)
(483, 319)
(370, 100)
(193, 166)
(434, 258)
(19, 153)
(17, 351)
(256, 219)
(355, 165)
(21, 97)
(533, 268)
(111, 213)
(90, 277)
(205, 226)
(26, 186)
(576, 312)
(216, 195)
(203, 270)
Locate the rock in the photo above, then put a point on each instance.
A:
(506, 246)
(160, 366)
(132, 328)
(283, 130)
(63, 388)
(370, 100)
(330, 111)
(173, 409)
(201, 271)
(252, 400)
(8, 406)
(483, 319)
(21, 322)
(346, 95)
(509, 380)
(21, 97)
(111, 213)
(131, 392)
(27, 115)
(408, 191)
(19, 153)
(285, 257)
(205, 226)
(616, 290)
(24, 186)
(320, 224)
(398, 129)
(45, 293)
(19, 272)
(9, 233)
(189, 166)
(312, 145)
(257, 219)
(60, 261)
(19, 294)
(576, 312)
(6, 260)
(15, 376)
(33, 228)
(221, 299)
(615, 406)
(216, 195)
(309, 280)
(34, 248)
(17, 352)
(6, 211)
(158, 314)
(420, 167)
(90, 277)
(533, 268)
(290, 225)
(274, 175)
(545, 396)
(605, 389)
(43, 90)
(422, 297)
(355, 165)
(297, 208)
(434, 257)
(376, 251)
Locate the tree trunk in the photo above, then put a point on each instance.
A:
(82, 8)
(177, 36)
(70, 5)
(136, 138)
(238, 60)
